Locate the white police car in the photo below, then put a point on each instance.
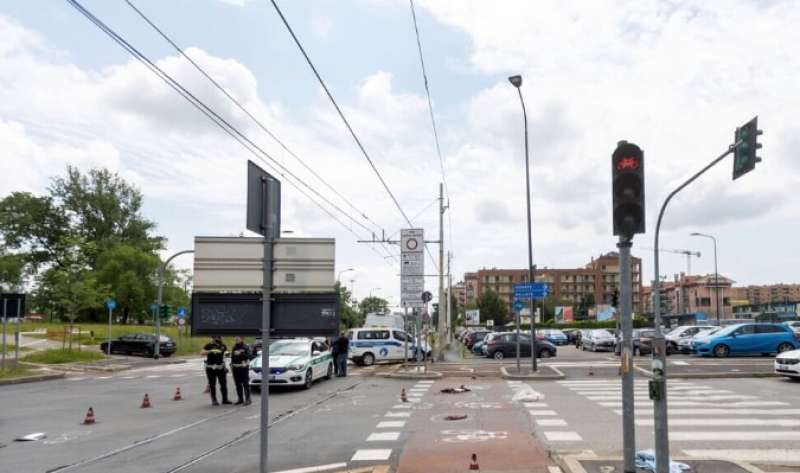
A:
(371, 344)
(294, 362)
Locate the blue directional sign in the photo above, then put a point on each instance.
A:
(153, 307)
(518, 306)
(528, 290)
(181, 312)
(111, 304)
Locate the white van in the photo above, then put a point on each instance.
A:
(371, 344)
(392, 320)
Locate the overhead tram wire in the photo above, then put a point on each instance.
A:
(213, 116)
(347, 123)
(241, 107)
(433, 118)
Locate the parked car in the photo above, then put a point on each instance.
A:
(504, 345)
(571, 333)
(294, 362)
(679, 333)
(140, 344)
(475, 336)
(788, 364)
(556, 337)
(794, 325)
(748, 338)
(598, 339)
(685, 344)
(642, 342)
(369, 345)
(477, 347)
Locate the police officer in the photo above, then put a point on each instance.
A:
(215, 369)
(240, 365)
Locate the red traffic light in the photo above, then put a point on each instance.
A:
(629, 163)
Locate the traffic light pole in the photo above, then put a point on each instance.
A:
(626, 355)
(658, 385)
(161, 270)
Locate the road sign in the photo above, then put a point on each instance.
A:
(181, 321)
(490, 323)
(153, 307)
(427, 296)
(518, 306)
(111, 304)
(263, 201)
(535, 290)
(412, 267)
(473, 317)
(181, 312)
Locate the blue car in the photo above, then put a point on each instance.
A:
(477, 347)
(556, 337)
(747, 339)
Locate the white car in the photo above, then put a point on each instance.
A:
(788, 364)
(686, 344)
(679, 333)
(294, 362)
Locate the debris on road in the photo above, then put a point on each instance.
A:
(646, 459)
(31, 437)
(455, 417)
(461, 389)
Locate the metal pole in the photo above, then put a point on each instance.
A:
(518, 341)
(109, 332)
(5, 307)
(16, 334)
(716, 278)
(449, 298)
(440, 323)
(157, 315)
(659, 365)
(405, 328)
(626, 321)
(531, 273)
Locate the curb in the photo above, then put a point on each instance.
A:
(544, 377)
(571, 463)
(72, 368)
(719, 375)
(398, 374)
(31, 379)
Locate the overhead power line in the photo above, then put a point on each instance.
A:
(208, 112)
(346, 122)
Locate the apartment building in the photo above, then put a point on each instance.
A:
(766, 294)
(692, 294)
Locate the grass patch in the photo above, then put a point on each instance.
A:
(58, 356)
(11, 373)
(10, 349)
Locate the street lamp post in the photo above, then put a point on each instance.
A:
(373, 289)
(516, 81)
(716, 271)
(161, 269)
(339, 276)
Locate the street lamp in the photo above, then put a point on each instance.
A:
(339, 276)
(716, 272)
(516, 81)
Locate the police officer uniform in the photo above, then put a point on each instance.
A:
(215, 369)
(240, 365)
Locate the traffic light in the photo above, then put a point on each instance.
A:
(435, 319)
(744, 154)
(164, 310)
(627, 170)
(615, 298)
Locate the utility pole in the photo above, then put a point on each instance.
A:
(441, 324)
(626, 324)
(449, 298)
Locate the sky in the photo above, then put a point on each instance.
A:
(675, 77)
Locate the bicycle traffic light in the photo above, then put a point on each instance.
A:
(164, 310)
(627, 170)
(744, 154)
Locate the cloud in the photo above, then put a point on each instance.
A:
(493, 211)
(237, 3)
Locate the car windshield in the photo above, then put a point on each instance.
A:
(289, 349)
(727, 330)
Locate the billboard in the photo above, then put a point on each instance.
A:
(293, 315)
(605, 312)
(563, 314)
(473, 317)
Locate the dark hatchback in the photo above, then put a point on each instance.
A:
(140, 344)
(642, 342)
(504, 345)
(475, 337)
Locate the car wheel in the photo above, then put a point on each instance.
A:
(329, 373)
(785, 347)
(637, 351)
(368, 359)
(498, 355)
(309, 379)
(545, 354)
(721, 351)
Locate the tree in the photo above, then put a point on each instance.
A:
(349, 316)
(130, 273)
(492, 307)
(373, 304)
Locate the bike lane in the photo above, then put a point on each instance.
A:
(497, 429)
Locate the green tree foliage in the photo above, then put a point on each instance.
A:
(492, 307)
(350, 317)
(373, 304)
(83, 242)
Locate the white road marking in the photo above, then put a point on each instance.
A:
(700, 403)
(391, 424)
(414, 394)
(535, 405)
(383, 436)
(402, 406)
(710, 392)
(153, 376)
(721, 412)
(680, 363)
(554, 469)
(371, 455)
(75, 379)
(397, 414)
(103, 377)
(128, 377)
(733, 436)
(316, 469)
(724, 397)
(551, 422)
(777, 455)
(542, 413)
(563, 436)
(743, 422)
(178, 376)
(425, 381)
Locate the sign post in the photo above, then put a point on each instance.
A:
(111, 304)
(264, 218)
(5, 308)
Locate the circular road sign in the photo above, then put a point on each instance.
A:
(427, 296)
(181, 321)
(412, 244)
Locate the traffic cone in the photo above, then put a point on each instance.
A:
(145, 401)
(89, 419)
(403, 397)
(473, 465)
(177, 396)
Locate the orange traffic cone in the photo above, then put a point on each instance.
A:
(473, 465)
(403, 397)
(177, 396)
(89, 419)
(145, 401)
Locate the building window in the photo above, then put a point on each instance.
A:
(289, 277)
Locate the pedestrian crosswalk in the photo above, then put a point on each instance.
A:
(705, 418)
